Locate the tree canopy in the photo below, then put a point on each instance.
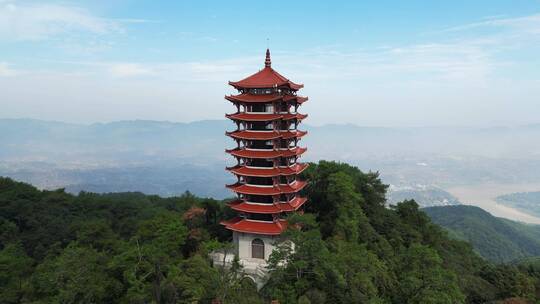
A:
(349, 247)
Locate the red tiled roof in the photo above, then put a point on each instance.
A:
(257, 227)
(294, 116)
(293, 205)
(264, 117)
(268, 190)
(264, 98)
(265, 135)
(256, 135)
(268, 172)
(265, 78)
(293, 134)
(297, 151)
(254, 117)
(252, 98)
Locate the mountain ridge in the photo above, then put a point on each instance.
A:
(496, 239)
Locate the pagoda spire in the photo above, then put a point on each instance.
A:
(267, 61)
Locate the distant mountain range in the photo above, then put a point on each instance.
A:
(207, 137)
(167, 158)
(495, 239)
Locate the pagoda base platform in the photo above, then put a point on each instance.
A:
(254, 269)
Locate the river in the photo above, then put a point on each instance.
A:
(483, 196)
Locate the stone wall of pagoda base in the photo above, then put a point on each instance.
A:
(254, 268)
(242, 244)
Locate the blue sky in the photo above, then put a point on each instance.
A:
(383, 63)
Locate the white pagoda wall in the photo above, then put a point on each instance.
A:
(242, 242)
(253, 268)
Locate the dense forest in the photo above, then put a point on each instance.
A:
(133, 248)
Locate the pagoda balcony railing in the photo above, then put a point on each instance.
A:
(258, 112)
(267, 204)
(259, 129)
(267, 130)
(258, 149)
(293, 132)
(266, 168)
(270, 186)
(257, 203)
(269, 167)
(289, 184)
(261, 186)
(262, 91)
(260, 221)
(251, 130)
(292, 164)
(269, 148)
(259, 167)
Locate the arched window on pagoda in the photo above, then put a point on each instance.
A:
(257, 249)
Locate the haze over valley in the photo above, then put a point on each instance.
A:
(436, 166)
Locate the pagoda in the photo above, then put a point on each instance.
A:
(267, 185)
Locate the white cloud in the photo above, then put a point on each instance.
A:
(431, 63)
(5, 70)
(528, 24)
(41, 21)
(458, 80)
(128, 70)
(405, 86)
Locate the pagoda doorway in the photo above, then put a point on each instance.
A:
(257, 249)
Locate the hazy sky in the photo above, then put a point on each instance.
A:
(386, 63)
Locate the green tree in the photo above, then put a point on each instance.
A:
(78, 275)
(150, 255)
(367, 278)
(96, 233)
(348, 213)
(422, 279)
(15, 269)
(347, 247)
(192, 281)
(299, 265)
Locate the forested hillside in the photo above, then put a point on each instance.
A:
(132, 248)
(495, 239)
